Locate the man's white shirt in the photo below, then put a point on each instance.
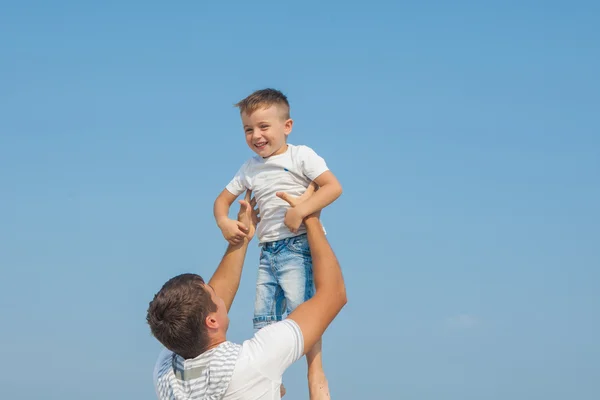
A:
(253, 370)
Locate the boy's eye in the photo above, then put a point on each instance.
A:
(264, 126)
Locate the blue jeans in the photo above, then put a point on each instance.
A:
(285, 279)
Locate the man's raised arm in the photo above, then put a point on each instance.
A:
(315, 315)
(226, 279)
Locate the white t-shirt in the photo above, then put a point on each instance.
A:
(261, 362)
(290, 172)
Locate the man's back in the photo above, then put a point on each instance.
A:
(251, 371)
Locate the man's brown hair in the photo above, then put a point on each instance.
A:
(177, 315)
(264, 98)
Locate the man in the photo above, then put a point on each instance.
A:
(189, 317)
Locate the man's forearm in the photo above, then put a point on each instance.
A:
(226, 279)
(327, 273)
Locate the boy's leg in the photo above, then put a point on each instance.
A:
(317, 382)
(295, 276)
(269, 302)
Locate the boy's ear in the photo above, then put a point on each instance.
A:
(288, 126)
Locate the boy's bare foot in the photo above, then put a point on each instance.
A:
(282, 390)
(318, 388)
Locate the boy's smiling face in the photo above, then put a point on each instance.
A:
(266, 130)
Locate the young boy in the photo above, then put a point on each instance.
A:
(285, 273)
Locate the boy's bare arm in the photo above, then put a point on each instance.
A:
(233, 231)
(222, 205)
(329, 190)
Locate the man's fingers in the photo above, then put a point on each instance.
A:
(253, 202)
(246, 209)
(248, 194)
(310, 189)
(285, 197)
(242, 229)
(237, 239)
(244, 204)
(291, 228)
(292, 200)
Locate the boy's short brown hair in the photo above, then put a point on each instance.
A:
(262, 99)
(177, 315)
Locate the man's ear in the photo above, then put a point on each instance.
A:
(211, 321)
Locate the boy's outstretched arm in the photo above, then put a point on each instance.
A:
(233, 231)
(329, 190)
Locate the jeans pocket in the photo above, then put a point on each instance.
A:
(299, 244)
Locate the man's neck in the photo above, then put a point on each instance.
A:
(215, 343)
(212, 345)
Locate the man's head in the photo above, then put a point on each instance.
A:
(266, 120)
(187, 316)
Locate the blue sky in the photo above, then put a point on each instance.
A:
(465, 135)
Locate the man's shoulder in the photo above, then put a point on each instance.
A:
(270, 352)
(287, 325)
(162, 365)
(286, 332)
(164, 356)
(263, 359)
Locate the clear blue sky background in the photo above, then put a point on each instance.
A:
(465, 134)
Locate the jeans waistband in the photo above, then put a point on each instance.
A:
(281, 242)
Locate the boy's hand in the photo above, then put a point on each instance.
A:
(233, 231)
